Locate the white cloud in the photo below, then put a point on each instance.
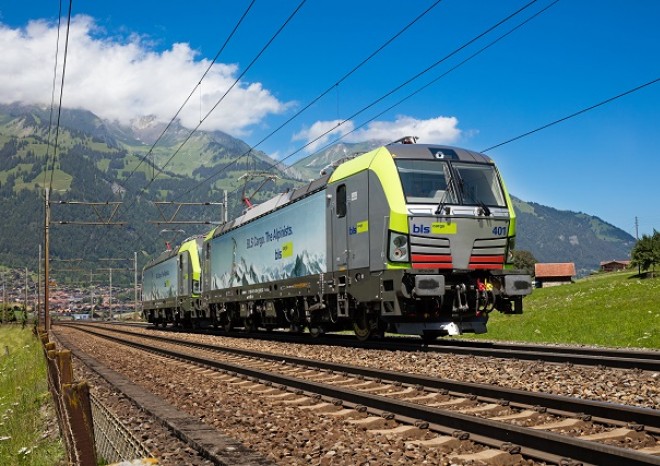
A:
(440, 130)
(122, 80)
(321, 132)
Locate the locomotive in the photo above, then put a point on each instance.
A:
(407, 238)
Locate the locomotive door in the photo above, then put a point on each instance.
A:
(184, 274)
(339, 230)
(350, 238)
(358, 220)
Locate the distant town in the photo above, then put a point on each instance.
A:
(66, 301)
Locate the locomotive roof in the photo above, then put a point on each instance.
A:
(434, 152)
(401, 151)
(167, 254)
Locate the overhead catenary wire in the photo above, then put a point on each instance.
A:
(59, 110)
(363, 109)
(192, 92)
(420, 89)
(413, 78)
(573, 115)
(198, 85)
(236, 81)
(52, 94)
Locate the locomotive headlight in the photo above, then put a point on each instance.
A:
(398, 250)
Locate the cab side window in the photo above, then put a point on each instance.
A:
(341, 201)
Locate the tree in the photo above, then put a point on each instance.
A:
(646, 252)
(524, 260)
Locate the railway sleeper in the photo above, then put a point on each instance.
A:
(323, 408)
(490, 409)
(570, 423)
(621, 433)
(371, 422)
(489, 456)
(444, 443)
(405, 432)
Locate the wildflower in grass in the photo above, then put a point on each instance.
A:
(25, 451)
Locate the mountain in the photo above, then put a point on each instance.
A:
(553, 235)
(103, 161)
(309, 168)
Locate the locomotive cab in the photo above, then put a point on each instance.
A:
(430, 230)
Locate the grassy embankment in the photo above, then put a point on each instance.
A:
(615, 310)
(28, 430)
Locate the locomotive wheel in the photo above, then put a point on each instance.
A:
(228, 324)
(250, 324)
(296, 328)
(316, 331)
(365, 326)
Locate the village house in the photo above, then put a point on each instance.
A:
(614, 266)
(554, 274)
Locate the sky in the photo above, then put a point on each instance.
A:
(311, 74)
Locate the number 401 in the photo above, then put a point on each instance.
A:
(499, 231)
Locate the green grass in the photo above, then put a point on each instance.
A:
(615, 310)
(24, 400)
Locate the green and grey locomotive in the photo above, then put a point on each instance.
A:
(407, 238)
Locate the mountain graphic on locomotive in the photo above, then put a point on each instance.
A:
(407, 238)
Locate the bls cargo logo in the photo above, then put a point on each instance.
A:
(442, 228)
(286, 251)
(360, 227)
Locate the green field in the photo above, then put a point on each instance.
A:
(615, 310)
(28, 430)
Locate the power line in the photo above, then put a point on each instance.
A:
(411, 79)
(408, 81)
(339, 81)
(572, 115)
(199, 83)
(270, 41)
(59, 110)
(433, 81)
(185, 102)
(264, 48)
(317, 98)
(52, 95)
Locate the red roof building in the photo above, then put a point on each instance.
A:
(554, 274)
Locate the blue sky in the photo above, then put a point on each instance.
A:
(129, 59)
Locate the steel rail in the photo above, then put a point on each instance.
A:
(587, 356)
(650, 418)
(549, 442)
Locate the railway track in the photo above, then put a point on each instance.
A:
(435, 412)
(172, 435)
(588, 356)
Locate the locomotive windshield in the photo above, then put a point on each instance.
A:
(479, 184)
(426, 181)
(436, 181)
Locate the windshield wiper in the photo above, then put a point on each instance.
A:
(485, 208)
(450, 188)
(480, 203)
